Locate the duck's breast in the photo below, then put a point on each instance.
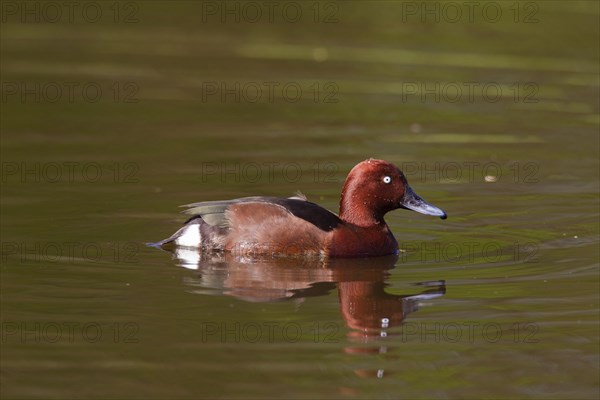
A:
(353, 241)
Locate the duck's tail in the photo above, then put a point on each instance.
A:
(188, 235)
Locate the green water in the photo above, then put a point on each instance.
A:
(108, 126)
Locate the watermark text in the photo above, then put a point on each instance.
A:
(452, 12)
(37, 332)
(469, 92)
(69, 252)
(317, 12)
(69, 92)
(269, 332)
(525, 172)
(69, 12)
(469, 332)
(68, 172)
(468, 252)
(269, 92)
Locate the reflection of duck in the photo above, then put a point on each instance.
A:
(367, 309)
(275, 279)
(370, 312)
(293, 226)
(365, 305)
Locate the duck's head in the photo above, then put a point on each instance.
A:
(375, 187)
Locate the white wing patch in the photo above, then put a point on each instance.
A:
(189, 236)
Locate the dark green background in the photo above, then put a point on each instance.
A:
(156, 141)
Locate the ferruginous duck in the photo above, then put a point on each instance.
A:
(272, 226)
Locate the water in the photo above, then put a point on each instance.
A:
(500, 300)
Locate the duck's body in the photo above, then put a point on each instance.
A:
(294, 226)
(279, 226)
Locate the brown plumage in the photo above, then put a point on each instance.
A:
(296, 227)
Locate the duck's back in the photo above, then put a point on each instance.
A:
(258, 226)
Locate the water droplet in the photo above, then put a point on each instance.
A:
(416, 128)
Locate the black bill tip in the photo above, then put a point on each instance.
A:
(413, 202)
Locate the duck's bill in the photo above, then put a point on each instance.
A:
(412, 201)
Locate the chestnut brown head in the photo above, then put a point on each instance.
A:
(375, 187)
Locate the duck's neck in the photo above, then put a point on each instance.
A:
(357, 211)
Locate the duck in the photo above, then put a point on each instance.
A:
(294, 226)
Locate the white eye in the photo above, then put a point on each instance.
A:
(387, 179)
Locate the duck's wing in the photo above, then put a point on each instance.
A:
(215, 212)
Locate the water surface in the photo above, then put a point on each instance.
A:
(498, 301)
